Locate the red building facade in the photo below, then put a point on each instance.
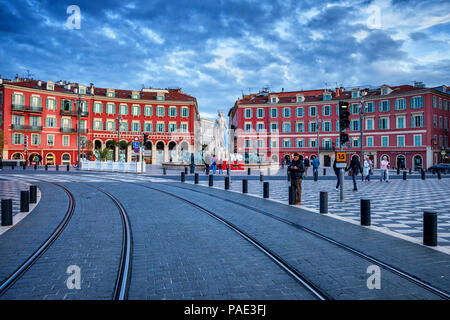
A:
(408, 124)
(45, 114)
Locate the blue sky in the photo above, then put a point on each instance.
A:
(217, 50)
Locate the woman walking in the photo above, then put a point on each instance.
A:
(384, 166)
(354, 166)
(367, 168)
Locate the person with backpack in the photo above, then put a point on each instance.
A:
(354, 167)
(296, 170)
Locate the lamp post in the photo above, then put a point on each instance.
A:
(118, 118)
(361, 114)
(318, 131)
(78, 103)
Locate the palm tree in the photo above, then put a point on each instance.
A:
(103, 153)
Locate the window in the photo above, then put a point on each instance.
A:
(274, 127)
(18, 99)
(326, 144)
(337, 125)
(136, 110)
(355, 142)
(312, 143)
(148, 127)
(259, 143)
(400, 104)
(172, 111)
(299, 111)
(50, 122)
(274, 99)
(123, 109)
(326, 126)
(123, 125)
(172, 127)
(400, 141)
(440, 122)
(65, 141)
(160, 111)
(247, 113)
(110, 126)
(185, 112)
(110, 94)
(385, 141)
(35, 122)
(384, 123)
(51, 103)
(369, 124)
(98, 124)
(274, 113)
(354, 125)
(385, 106)
(135, 126)
(17, 120)
(434, 102)
(434, 121)
(66, 123)
(299, 127)
(98, 107)
(135, 96)
(445, 123)
(312, 111)
(440, 103)
(286, 143)
(286, 127)
(369, 141)
(260, 113)
(50, 140)
(17, 138)
(148, 111)
(401, 122)
(313, 126)
(110, 108)
(418, 140)
(260, 127)
(35, 139)
(160, 127)
(160, 97)
(370, 107)
(247, 143)
(326, 110)
(248, 126)
(183, 127)
(286, 112)
(300, 143)
(35, 101)
(274, 143)
(416, 103)
(354, 108)
(417, 121)
(355, 94)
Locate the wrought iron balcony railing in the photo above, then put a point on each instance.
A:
(22, 127)
(24, 108)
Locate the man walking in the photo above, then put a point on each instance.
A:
(355, 168)
(315, 164)
(337, 173)
(296, 169)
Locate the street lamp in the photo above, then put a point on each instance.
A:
(361, 113)
(78, 102)
(118, 118)
(318, 130)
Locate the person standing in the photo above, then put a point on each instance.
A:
(355, 167)
(384, 169)
(307, 165)
(296, 169)
(214, 164)
(282, 163)
(315, 164)
(367, 168)
(337, 173)
(220, 167)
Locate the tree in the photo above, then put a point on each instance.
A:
(103, 153)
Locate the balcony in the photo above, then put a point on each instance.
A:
(68, 113)
(327, 148)
(23, 108)
(21, 127)
(84, 131)
(68, 130)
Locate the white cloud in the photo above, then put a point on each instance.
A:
(109, 33)
(152, 35)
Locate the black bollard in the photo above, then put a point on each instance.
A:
(211, 181)
(261, 177)
(365, 212)
(24, 201)
(291, 195)
(7, 219)
(430, 228)
(324, 171)
(266, 190)
(316, 175)
(227, 183)
(439, 174)
(46, 167)
(24, 167)
(422, 173)
(323, 202)
(68, 167)
(33, 194)
(185, 170)
(57, 167)
(249, 171)
(245, 186)
(196, 178)
(183, 178)
(164, 171)
(404, 175)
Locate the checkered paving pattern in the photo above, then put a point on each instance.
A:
(10, 189)
(397, 206)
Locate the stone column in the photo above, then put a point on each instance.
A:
(166, 152)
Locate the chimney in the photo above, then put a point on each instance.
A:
(16, 79)
(338, 92)
(39, 83)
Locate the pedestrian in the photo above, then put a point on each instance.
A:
(220, 167)
(214, 164)
(282, 163)
(354, 167)
(384, 169)
(40, 159)
(337, 173)
(307, 165)
(207, 162)
(296, 169)
(367, 168)
(315, 164)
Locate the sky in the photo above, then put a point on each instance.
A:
(217, 50)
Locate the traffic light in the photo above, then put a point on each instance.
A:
(25, 142)
(343, 138)
(344, 122)
(145, 138)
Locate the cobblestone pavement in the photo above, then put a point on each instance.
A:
(10, 189)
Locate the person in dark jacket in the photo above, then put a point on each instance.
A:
(356, 167)
(336, 172)
(296, 169)
(307, 164)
